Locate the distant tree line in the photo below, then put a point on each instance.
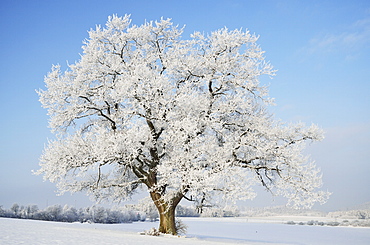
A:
(351, 214)
(95, 214)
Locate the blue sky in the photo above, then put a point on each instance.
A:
(320, 49)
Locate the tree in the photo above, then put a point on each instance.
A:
(187, 119)
(53, 213)
(15, 209)
(32, 211)
(147, 206)
(2, 211)
(69, 214)
(98, 214)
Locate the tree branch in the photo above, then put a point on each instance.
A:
(105, 116)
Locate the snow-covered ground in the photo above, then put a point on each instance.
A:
(200, 231)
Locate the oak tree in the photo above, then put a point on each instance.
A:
(185, 118)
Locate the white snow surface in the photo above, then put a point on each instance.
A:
(200, 231)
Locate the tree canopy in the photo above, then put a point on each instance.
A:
(187, 118)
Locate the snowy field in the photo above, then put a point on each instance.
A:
(200, 231)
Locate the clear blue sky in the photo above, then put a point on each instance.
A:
(321, 50)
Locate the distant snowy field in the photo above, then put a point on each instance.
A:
(200, 231)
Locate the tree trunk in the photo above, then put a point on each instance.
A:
(166, 211)
(167, 222)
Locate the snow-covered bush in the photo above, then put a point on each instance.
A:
(181, 227)
(333, 223)
(311, 222)
(152, 232)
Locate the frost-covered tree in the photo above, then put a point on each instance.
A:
(31, 211)
(2, 211)
(69, 214)
(15, 208)
(98, 214)
(187, 119)
(54, 212)
(147, 206)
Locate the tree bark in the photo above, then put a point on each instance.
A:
(167, 223)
